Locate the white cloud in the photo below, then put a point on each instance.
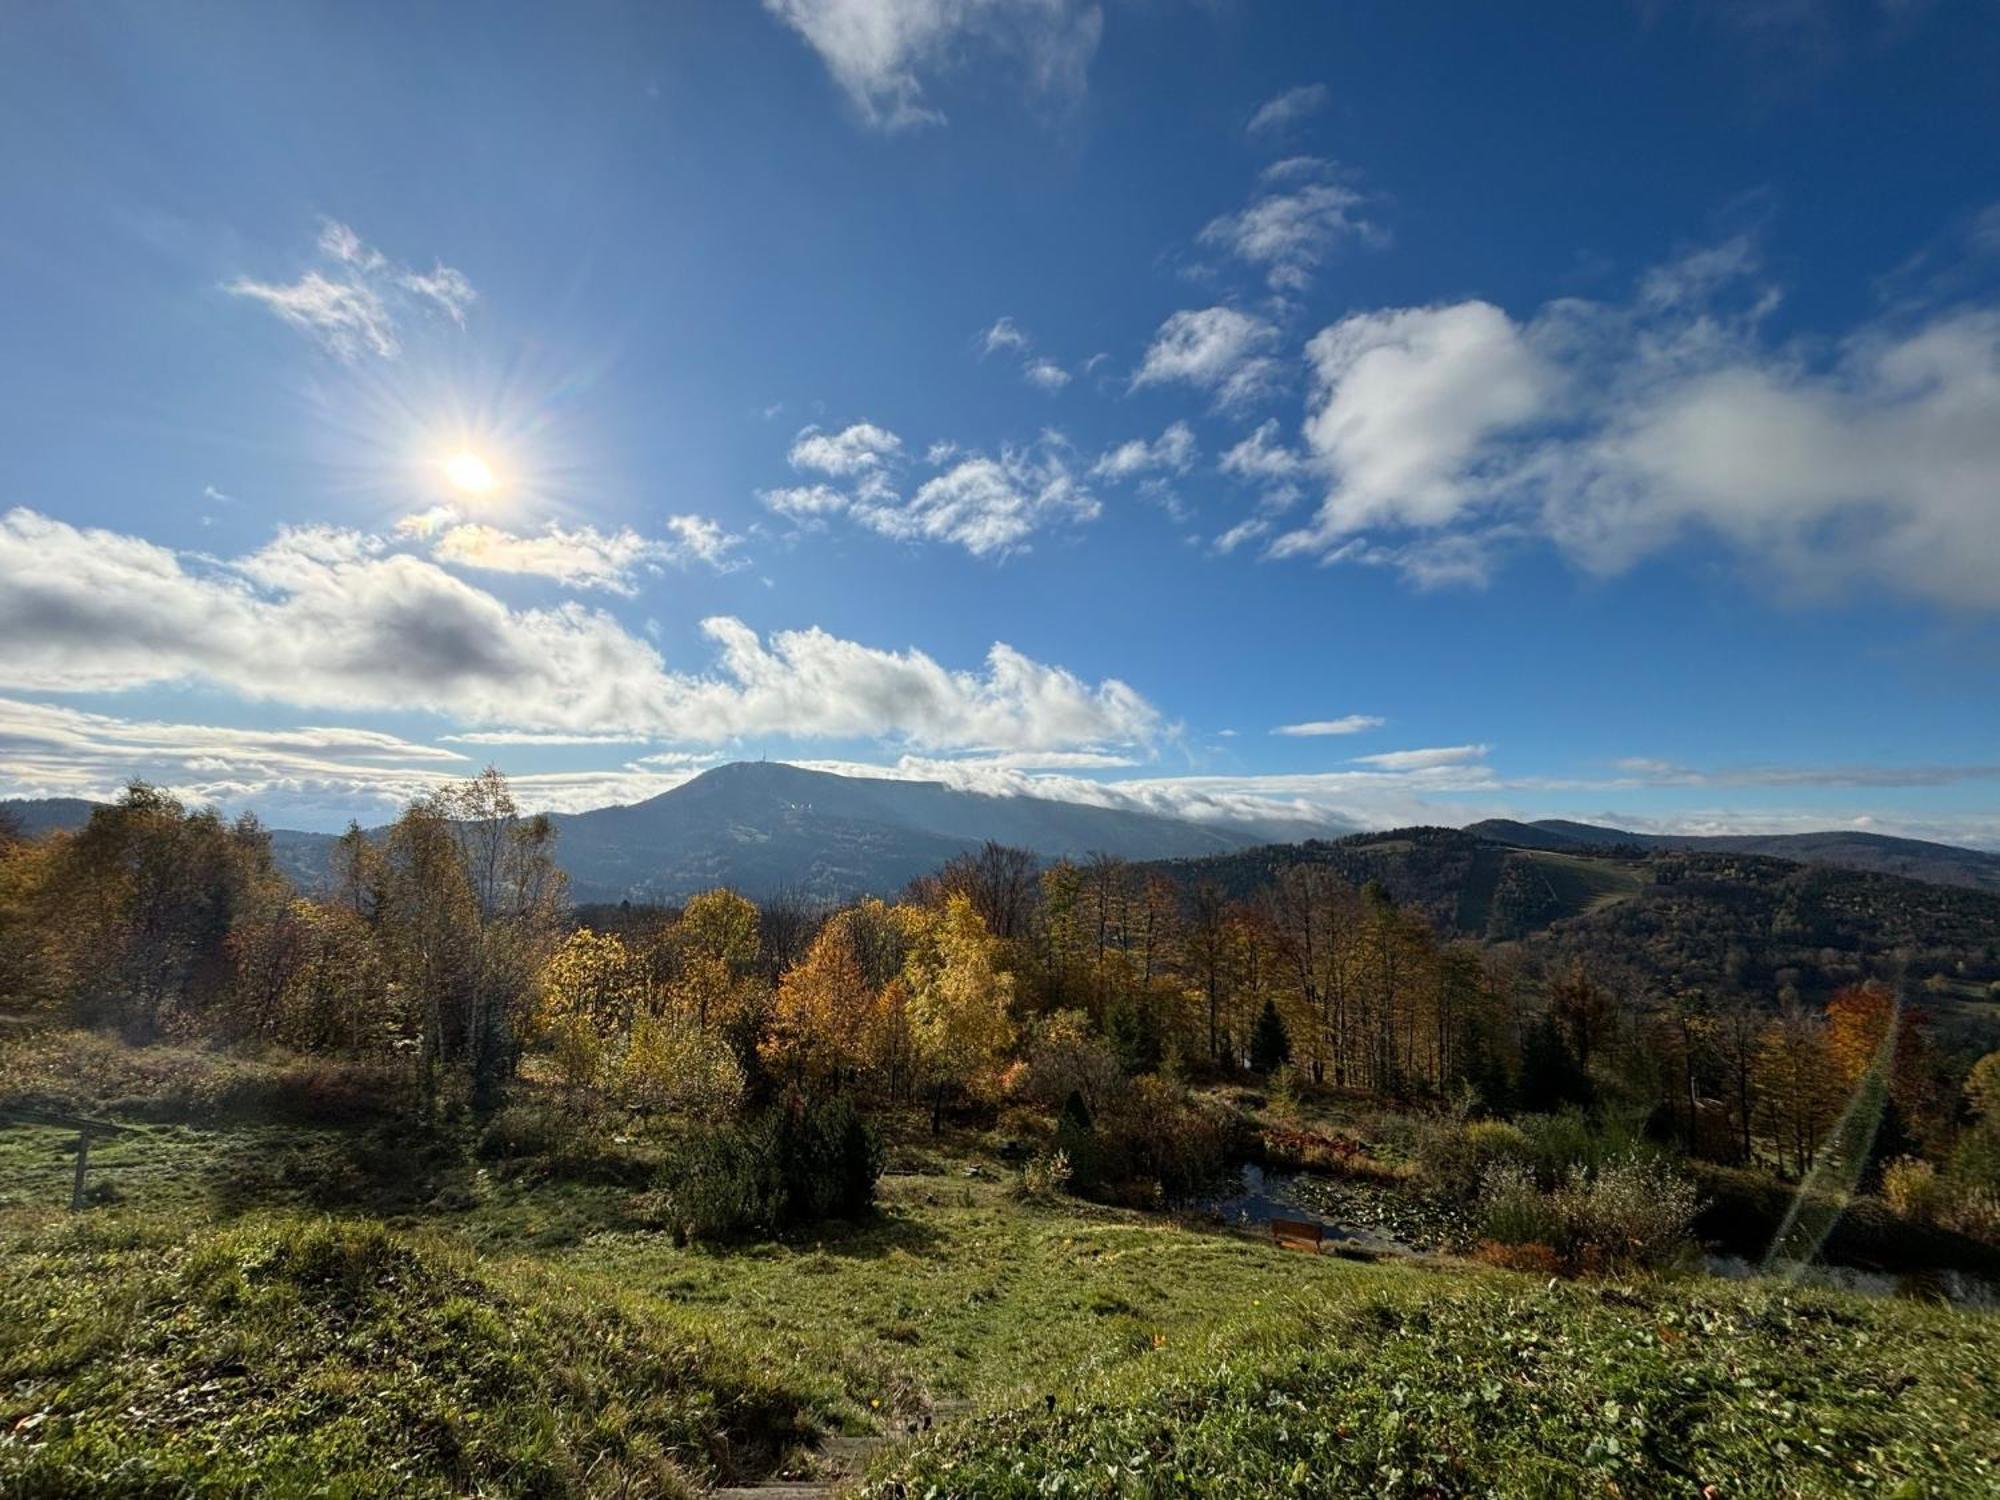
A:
(1277, 115)
(1217, 349)
(581, 557)
(990, 506)
(700, 539)
(1045, 374)
(350, 304)
(1243, 531)
(1261, 457)
(1004, 334)
(805, 502)
(323, 618)
(1172, 452)
(1424, 760)
(879, 51)
(1403, 403)
(1290, 234)
(1447, 434)
(853, 450)
(1346, 724)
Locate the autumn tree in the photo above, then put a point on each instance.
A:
(822, 1016)
(958, 1000)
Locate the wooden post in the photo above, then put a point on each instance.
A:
(82, 1166)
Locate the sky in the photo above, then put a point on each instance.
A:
(1381, 413)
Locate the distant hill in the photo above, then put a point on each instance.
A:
(1914, 859)
(763, 827)
(40, 815)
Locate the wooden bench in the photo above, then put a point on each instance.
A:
(1298, 1234)
(84, 1129)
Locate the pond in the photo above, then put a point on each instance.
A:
(1350, 1219)
(1960, 1288)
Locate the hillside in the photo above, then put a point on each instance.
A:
(1915, 859)
(1669, 919)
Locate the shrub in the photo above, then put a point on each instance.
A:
(1913, 1189)
(1513, 1210)
(1634, 1211)
(1452, 1157)
(798, 1163)
(1046, 1177)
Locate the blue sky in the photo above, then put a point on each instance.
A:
(1598, 418)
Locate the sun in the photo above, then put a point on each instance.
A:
(470, 474)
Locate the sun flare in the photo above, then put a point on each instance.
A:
(470, 474)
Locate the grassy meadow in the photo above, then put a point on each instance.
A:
(251, 1308)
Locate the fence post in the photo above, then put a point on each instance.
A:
(82, 1166)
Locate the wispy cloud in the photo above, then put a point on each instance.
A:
(1221, 350)
(1278, 114)
(1290, 234)
(1424, 760)
(351, 302)
(1346, 724)
(881, 52)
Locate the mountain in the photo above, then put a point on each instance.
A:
(1914, 859)
(763, 827)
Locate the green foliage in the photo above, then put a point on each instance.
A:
(800, 1162)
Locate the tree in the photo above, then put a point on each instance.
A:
(1798, 1086)
(958, 1000)
(822, 1017)
(592, 987)
(1270, 1047)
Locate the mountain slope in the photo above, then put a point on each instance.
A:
(1913, 859)
(765, 826)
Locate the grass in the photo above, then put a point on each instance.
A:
(268, 1309)
(1492, 1385)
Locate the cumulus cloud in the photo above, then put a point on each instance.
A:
(1279, 114)
(1444, 434)
(989, 505)
(351, 303)
(1402, 404)
(1217, 349)
(880, 51)
(1289, 235)
(1346, 724)
(805, 502)
(326, 618)
(1173, 452)
(855, 449)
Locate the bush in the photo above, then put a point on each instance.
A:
(1634, 1211)
(798, 1163)
(1453, 1157)
(1912, 1187)
(1045, 1177)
